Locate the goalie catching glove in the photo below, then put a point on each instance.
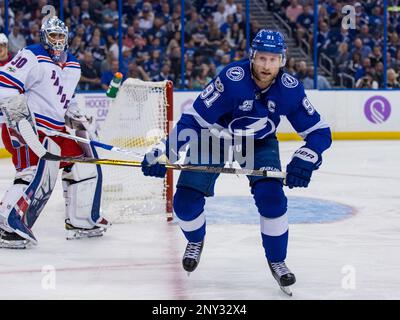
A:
(301, 167)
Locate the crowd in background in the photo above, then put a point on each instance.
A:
(356, 52)
(214, 36)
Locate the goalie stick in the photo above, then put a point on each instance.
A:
(92, 143)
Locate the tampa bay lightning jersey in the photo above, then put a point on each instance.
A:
(48, 86)
(233, 104)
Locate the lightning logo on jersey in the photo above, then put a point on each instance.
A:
(251, 126)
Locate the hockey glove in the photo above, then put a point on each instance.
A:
(76, 119)
(151, 165)
(300, 168)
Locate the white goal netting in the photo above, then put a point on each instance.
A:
(137, 119)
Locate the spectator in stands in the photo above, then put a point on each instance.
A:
(110, 13)
(363, 50)
(367, 82)
(230, 7)
(361, 17)
(397, 60)
(34, 35)
(90, 77)
(85, 8)
(208, 8)
(304, 22)
(165, 12)
(75, 17)
(153, 66)
(158, 31)
(129, 38)
(364, 69)
(225, 60)
(293, 12)
(301, 70)
(214, 36)
(392, 79)
(219, 16)
(113, 32)
(376, 56)
(234, 35)
(107, 76)
(189, 75)
(77, 47)
(290, 66)
(202, 78)
(5, 56)
(366, 36)
(342, 59)
(146, 17)
(394, 43)
(165, 72)
(96, 11)
(225, 49)
(87, 25)
(323, 37)
(355, 63)
(227, 25)
(175, 58)
(376, 18)
(98, 51)
(137, 72)
(16, 40)
(308, 81)
(379, 73)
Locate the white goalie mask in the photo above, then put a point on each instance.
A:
(54, 38)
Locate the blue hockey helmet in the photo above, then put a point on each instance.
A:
(269, 41)
(56, 46)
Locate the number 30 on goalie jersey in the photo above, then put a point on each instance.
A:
(49, 87)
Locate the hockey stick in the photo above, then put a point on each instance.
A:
(33, 142)
(194, 168)
(92, 143)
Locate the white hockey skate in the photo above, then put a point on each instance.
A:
(98, 230)
(12, 240)
(283, 276)
(191, 257)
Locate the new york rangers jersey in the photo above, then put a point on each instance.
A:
(233, 104)
(49, 87)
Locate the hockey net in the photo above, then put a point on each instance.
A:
(138, 118)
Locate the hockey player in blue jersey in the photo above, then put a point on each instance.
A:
(248, 94)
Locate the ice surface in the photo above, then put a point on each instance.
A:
(352, 258)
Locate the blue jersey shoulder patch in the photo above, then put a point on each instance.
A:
(235, 73)
(289, 81)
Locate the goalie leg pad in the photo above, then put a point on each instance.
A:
(82, 192)
(25, 200)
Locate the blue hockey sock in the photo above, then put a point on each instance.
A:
(272, 205)
(189, 209)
